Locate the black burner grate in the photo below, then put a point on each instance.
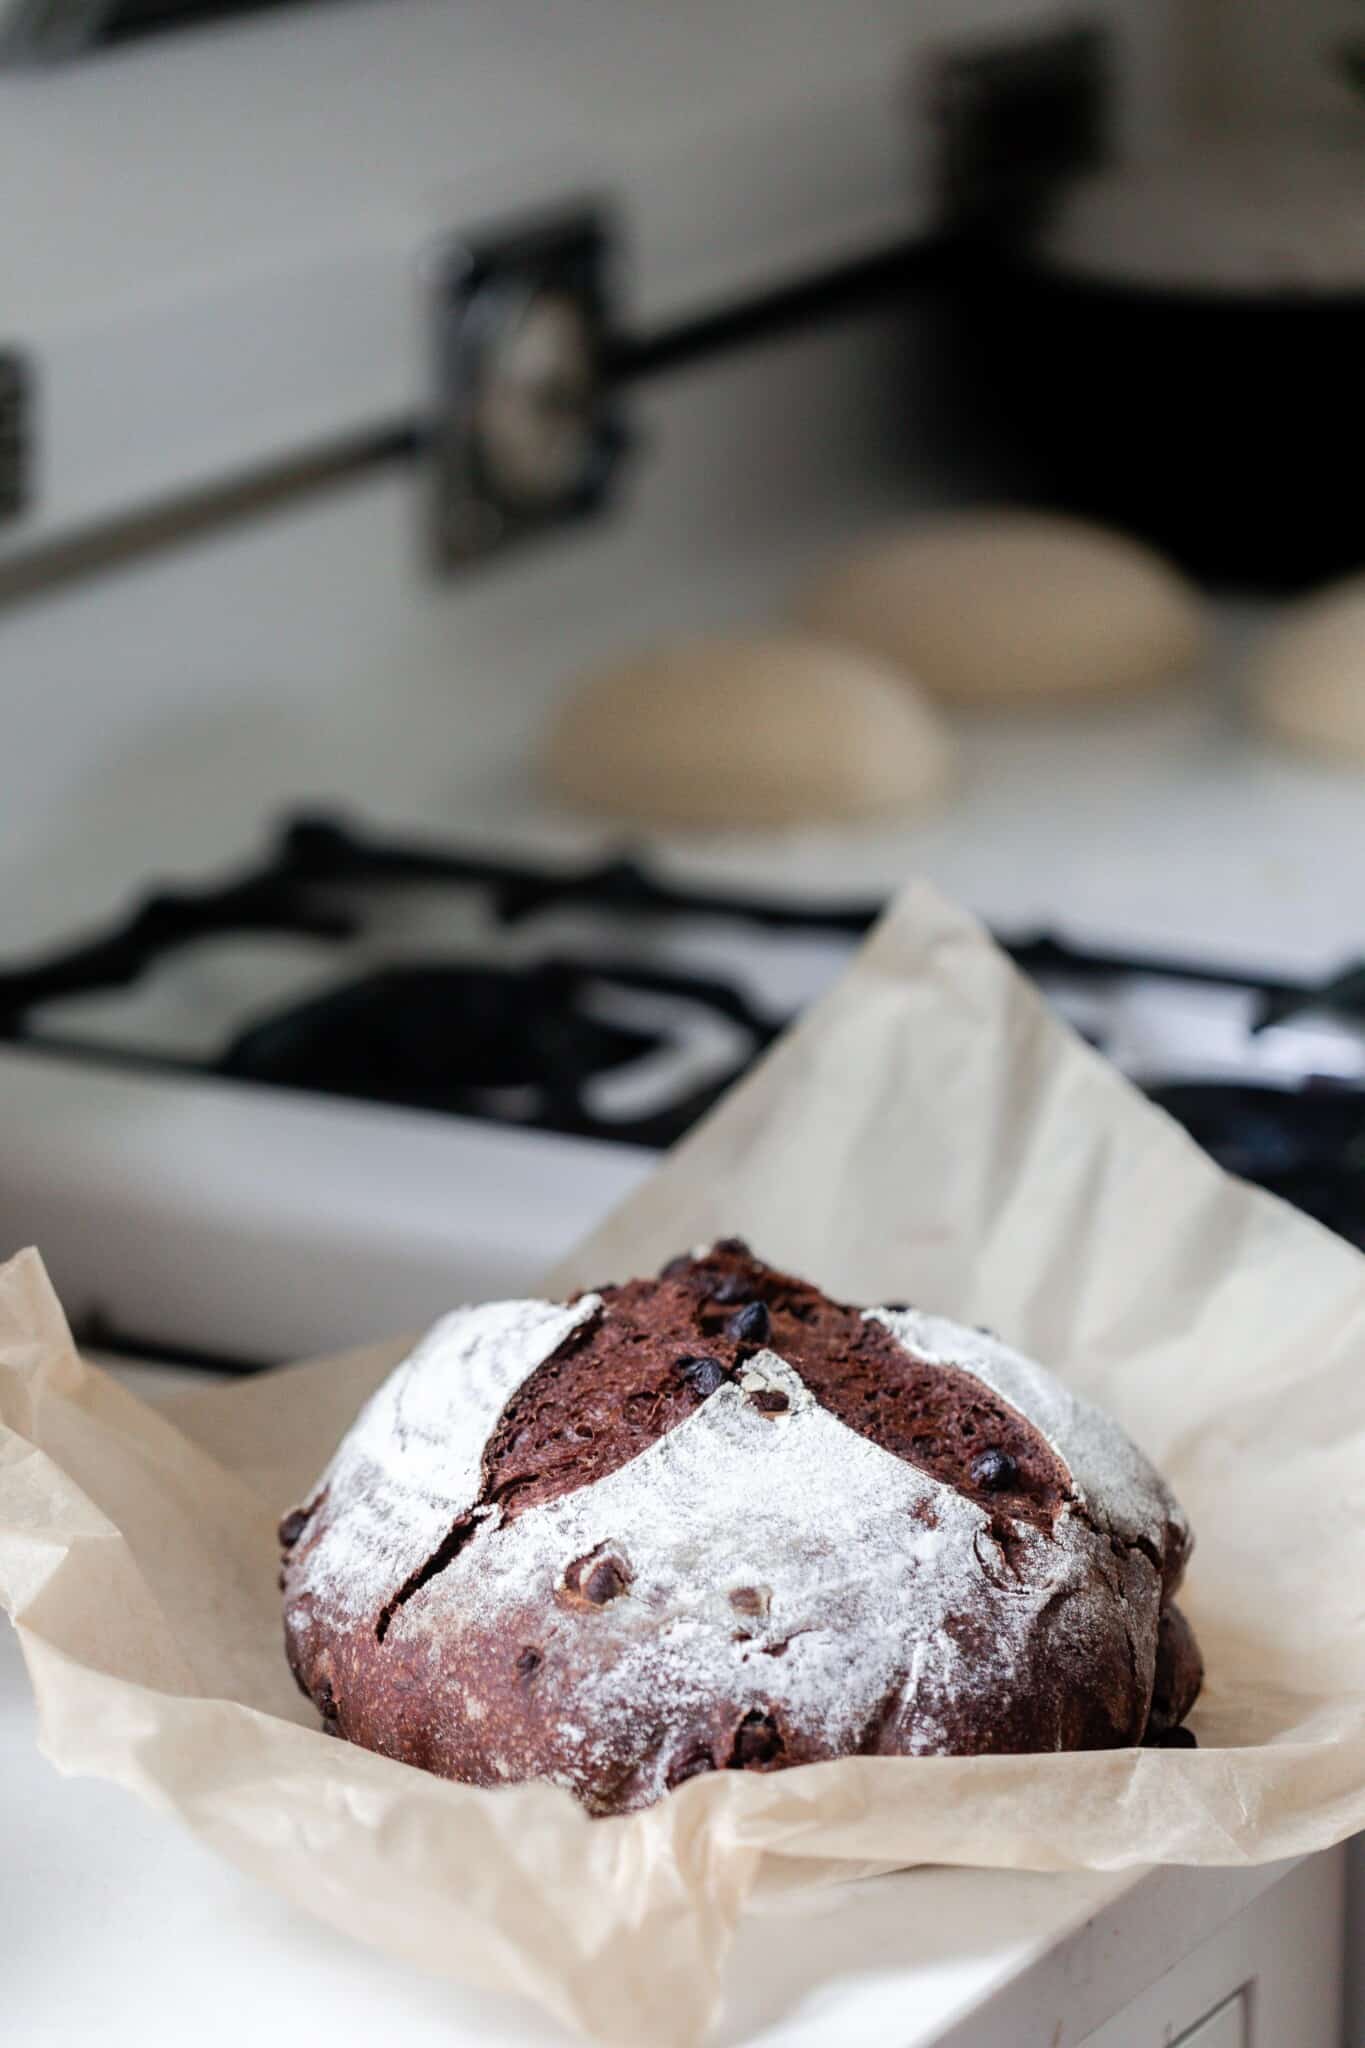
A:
(537, 1044)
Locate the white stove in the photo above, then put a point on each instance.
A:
(444, 1062)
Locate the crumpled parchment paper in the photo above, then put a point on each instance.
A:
(927, 1132)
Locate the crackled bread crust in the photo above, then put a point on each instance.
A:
(716, 1520)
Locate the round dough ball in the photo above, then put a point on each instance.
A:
(753, 730)
(1004, 607)
(1308, 677)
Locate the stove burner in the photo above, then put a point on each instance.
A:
(590, 1047)
(1305, 1144)
(520, 1045)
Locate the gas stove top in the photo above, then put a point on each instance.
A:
(610, 1002)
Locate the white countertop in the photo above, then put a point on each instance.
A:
(120, 1928)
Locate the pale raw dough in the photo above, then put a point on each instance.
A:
(1308, 676)
(1003, 607)
(752, 730)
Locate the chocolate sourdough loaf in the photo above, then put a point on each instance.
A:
(718, 1521)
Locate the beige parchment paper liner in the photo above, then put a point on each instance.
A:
(926, 1132)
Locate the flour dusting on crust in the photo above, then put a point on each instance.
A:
(411, 1463)
(1121, 1488)
(888, 1606)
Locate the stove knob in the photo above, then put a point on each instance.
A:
(527, 431)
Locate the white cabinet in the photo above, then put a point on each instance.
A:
(1226, 2028)
(1269, 1978)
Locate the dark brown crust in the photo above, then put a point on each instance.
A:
(497, 1703)
(1179, 1674)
